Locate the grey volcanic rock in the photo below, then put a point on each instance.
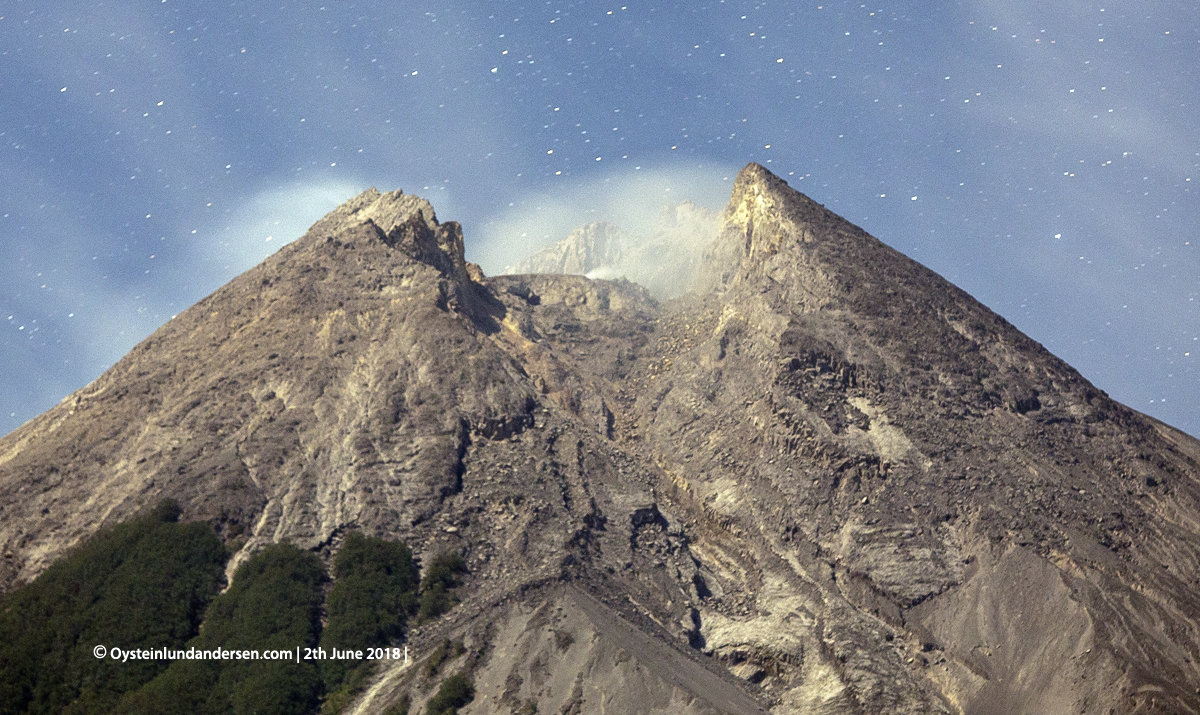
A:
(824, 481)
(665, 261)
(588, 248)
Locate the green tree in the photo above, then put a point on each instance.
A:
(273, 604)
(455, 692)
(441, 578)
(374, 591)
(141, 584)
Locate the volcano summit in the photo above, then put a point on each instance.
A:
(824, 480)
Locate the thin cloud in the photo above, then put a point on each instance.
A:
(102, 317)
(631, 198)
(267, 221)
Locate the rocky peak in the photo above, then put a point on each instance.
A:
(404, 222)
(662, 257)
(836, 483)
(764, 217)
(593, 246)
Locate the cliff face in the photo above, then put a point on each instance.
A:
(824, 481)
(588, 248)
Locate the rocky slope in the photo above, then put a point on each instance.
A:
(825, 481)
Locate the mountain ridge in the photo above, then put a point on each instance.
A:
(826, 471)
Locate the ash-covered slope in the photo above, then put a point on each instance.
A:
(826, 481)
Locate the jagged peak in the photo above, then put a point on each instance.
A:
(404, 222)
(388, 211)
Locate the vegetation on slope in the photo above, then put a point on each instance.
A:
(437, 587)
(142, 584)
(374, 592)
(274, 604)
(455, 692)
(151, 584)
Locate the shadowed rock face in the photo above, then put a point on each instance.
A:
(825, 481)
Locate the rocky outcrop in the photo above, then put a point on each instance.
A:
(825, 481)
(665, 261)
(588, 248)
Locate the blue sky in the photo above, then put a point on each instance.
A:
(1044, 157)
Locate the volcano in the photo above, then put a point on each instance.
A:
(822, 480)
